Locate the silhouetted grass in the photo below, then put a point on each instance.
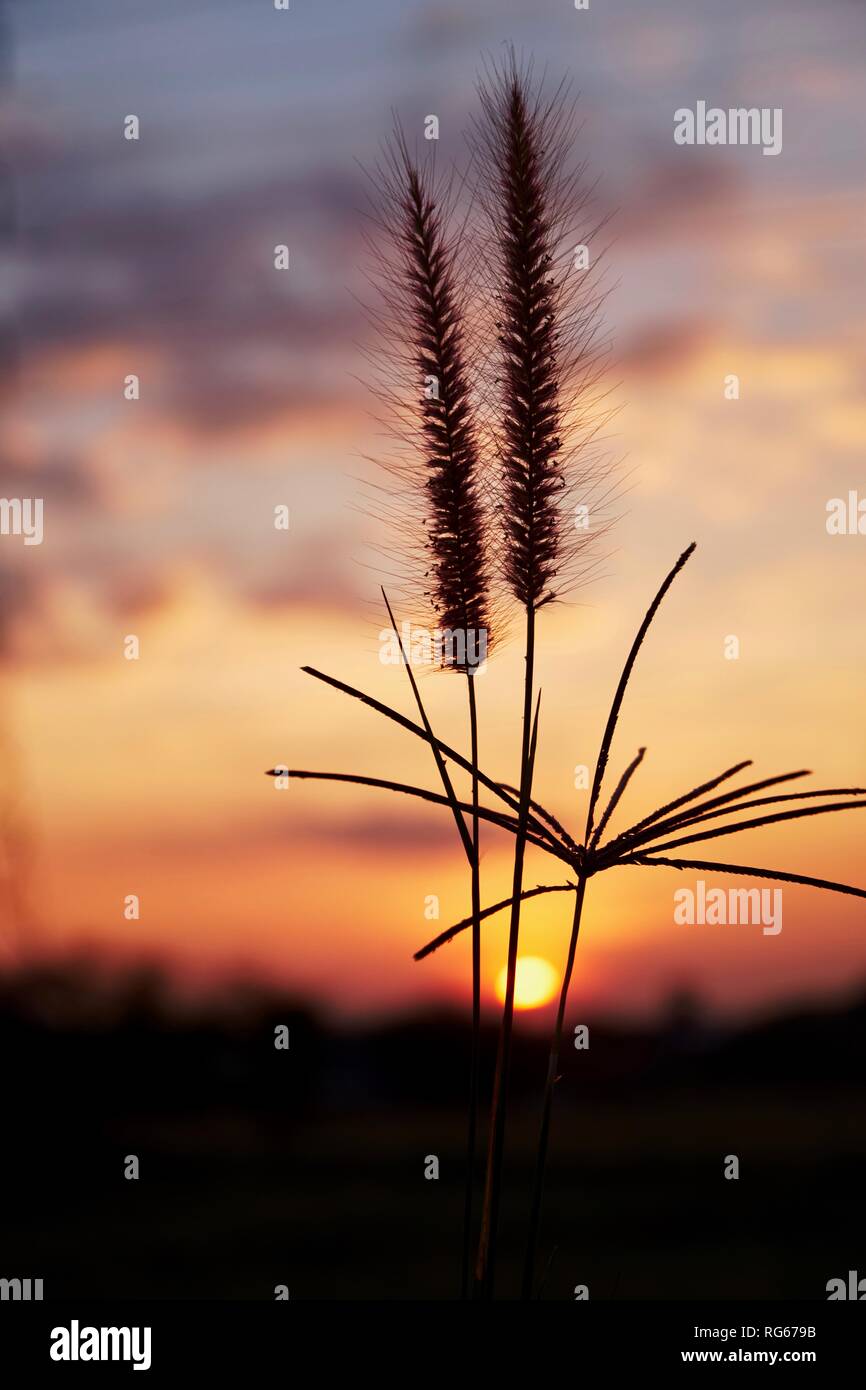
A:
(438, 479)
(520, 427)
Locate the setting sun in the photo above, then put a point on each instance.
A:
(535, 983)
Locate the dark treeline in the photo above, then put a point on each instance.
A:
(123, 1042)
(305, 1166)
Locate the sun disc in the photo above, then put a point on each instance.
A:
(535, 982)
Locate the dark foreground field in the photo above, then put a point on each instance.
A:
(306, 1168)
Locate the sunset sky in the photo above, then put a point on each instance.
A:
(156, 258)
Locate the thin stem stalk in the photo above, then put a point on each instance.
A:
(549, 1087)
(485, 1267)
(601, 764)
(474, 1066)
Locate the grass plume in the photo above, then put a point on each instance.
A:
(546, 359)
(498, 447)
(424, 297)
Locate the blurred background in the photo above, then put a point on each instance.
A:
(154, 1036)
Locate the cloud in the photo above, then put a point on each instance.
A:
(19, 599)
(414, 830)
(192, 273)
(57, 478)
(664, 348)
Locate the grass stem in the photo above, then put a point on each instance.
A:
(475, 1060)
(486, 1264)
(550, 1084)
